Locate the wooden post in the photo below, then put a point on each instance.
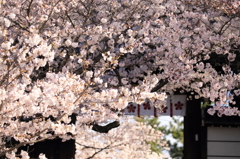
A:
(192, 130)
(203, 141)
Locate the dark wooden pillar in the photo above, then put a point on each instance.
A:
(193, 130)
(203, 141)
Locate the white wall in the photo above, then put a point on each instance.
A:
(223, 143)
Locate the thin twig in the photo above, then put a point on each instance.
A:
(98, 152)
(70, 19)
(49, 15)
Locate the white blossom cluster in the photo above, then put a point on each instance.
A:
(130, 140)
(91, 56)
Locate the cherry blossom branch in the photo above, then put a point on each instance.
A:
(48, 18)
(221, 31)
(70, 19)
(100, 150)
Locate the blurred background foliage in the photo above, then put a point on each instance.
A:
(173, 132)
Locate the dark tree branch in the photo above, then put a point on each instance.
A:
(29, 8)
(105, 129)
(160, 84)
(118, 76)
(221, 31)
(3, 152)
(70, 19)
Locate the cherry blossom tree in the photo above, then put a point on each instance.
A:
(92, 57)
(130, 140)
